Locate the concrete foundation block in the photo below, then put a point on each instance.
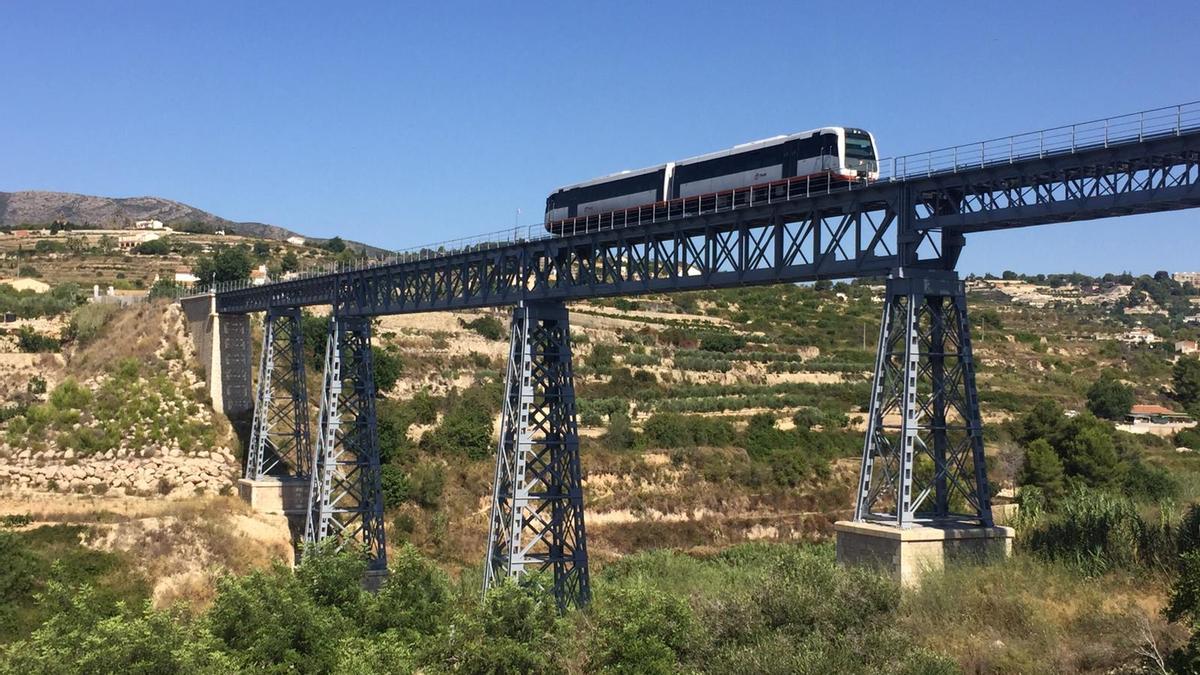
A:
(908, 553)
(288, 496)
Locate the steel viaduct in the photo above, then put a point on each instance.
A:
(922, 457)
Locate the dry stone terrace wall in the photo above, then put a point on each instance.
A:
(162, 471)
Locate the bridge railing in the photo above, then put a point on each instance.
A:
(1067, 139)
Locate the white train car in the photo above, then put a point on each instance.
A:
(829, 154)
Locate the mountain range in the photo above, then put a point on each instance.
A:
(36, 207)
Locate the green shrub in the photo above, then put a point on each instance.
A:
(670, 430)
(88, 320)
(415, 599)
(32, 342)
(640, 630)
(1096, 532)
(488, 327)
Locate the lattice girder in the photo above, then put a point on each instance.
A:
(537, 499)
(923, 452)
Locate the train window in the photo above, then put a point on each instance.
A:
(858, 146)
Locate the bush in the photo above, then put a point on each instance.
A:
(88, 320)
(388, 367)
(415, 600)
(1096, 532)
(1110, 399)
(488, 327)
(1188, 438)
(640, 630)
(153, 247)
(620, 434)
(466, 429)
(671, 430)
(32, 342)
(723, 343)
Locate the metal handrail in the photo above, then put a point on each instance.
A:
(1068, 139)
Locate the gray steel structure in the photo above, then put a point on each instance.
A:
(908, 226)
(924, 441)
(279, 438)
(537, 497)
(345, 498)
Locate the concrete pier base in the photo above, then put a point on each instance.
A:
(288, 496)
(373, 580)
(908, 553)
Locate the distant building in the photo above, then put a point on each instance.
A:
(1139, 335)
(1192, 278)
(1186, 347)
(258, 277)
(148, 225)
(1156, 420)
(1145, 310)
(185, 277)
(1193, 319)
(295, 241)
(220, 233)
(131, 241)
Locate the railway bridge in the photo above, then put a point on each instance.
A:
(922, 460)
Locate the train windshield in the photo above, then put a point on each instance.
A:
(858, 146)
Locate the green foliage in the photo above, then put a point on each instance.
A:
(723, 343)
(289, 262)
(1184, 606)
(619, 435)
(488, 327)
(414, 601)
(32, 342)
(153, 247)
(1097, 532)
(229, 263)
(300, 638)
(1188, 438)
(426, 483)
(1185, 378)
(466, 429)
(600, 358)
(29, 304)
(515, 631)
(333, 578)
(388, 367)
(670, 430)
(334, 245)
(1043, 468)
(1109, 398)
(639, 629)
(87, 321)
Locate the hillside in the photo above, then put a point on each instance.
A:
(35, 207)
(720, 434)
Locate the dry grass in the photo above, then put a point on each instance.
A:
(1027, 616)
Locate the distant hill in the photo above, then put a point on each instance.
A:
(36, 207)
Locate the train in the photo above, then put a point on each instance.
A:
(826, 155)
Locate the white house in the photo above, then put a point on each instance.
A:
(295, 241)
(1186, 347)
(148, 225)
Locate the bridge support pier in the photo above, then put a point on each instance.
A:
(537, 498)
(279, 454)
(345, 498)
(923, 492)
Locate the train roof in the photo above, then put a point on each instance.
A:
(743, 147)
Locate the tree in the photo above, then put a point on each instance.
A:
(1186, 380)
(388, 368)
(261, 250)
(1043, 468)
(1088, 452)
(153, 247)
(290, 262)
(1046, 420)
(620, 434)
(335, 245)
(226, 264)
(1110, 399)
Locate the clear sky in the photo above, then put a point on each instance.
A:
(400, 124)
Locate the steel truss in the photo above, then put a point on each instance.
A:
(917, 221)
(279, 438)
(537, 498)
(923, 453)
(345, 495)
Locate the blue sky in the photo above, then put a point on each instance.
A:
(401, 124)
